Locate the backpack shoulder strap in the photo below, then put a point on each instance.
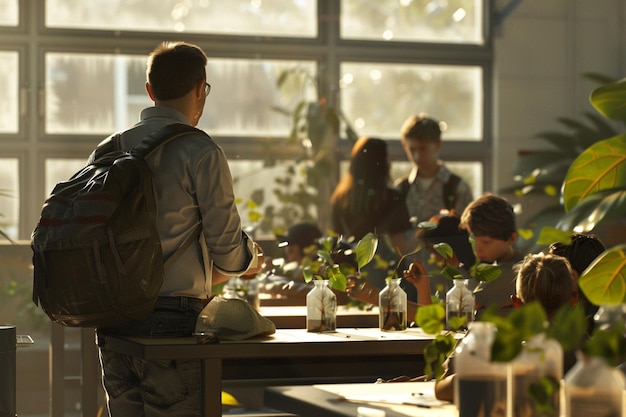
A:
(449, 191)
(403, 187)
(110, 144)
(162, 136)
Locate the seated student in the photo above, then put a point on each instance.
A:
(447, 230)
(545, 278)
(580, 253)
(490, 220)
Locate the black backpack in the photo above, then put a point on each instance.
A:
(96, 252)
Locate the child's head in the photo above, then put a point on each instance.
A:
(421, 139)
(299, 237)
(545, 278)
(491, 220)
(580, 253)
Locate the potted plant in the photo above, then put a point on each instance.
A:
(327, 270)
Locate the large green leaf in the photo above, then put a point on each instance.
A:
(604, 281)
(366, 249)
(601, 167)
(594, 210)
(610, 100)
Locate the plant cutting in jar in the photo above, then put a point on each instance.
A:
(329, 269)
(328, 265)
(431, 318)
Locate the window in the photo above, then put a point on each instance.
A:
(450, 93)
(373, 63)
(9, 12)
(231, 17)
(9, 103)
(453, 21)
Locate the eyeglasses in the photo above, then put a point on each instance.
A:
(207, 88)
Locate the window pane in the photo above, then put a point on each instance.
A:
(256, 182)
(9, 12)
(9, 85)
(233, 17)
(57, 170)
(9, 197)
(379, 97)
(89, 93)
(243, 97)
(450, 21)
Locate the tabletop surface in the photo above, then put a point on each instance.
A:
(284, 343)
(334, 400)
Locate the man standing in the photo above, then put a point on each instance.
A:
(430, 187)
(193, 187)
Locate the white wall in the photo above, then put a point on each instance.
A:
(541, 50)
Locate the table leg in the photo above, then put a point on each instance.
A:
(212, 387)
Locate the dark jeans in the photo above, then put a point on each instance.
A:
(137, 387)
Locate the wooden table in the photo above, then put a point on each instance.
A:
(346, 400)
(290, 356)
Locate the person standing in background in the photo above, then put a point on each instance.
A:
(430, 186)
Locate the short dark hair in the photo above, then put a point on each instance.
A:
(545, 278)
(489, 215)
(583, 250)
(174, 69)
(421, 127)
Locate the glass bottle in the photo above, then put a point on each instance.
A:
(480, 386)
(392, 306)
(592, 387)
(459, 303)
(538, 369)
(321, 308)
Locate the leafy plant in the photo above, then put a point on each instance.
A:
(431, 318)
(594, 192)
(327, 267)
(542, 172)
(315, 125)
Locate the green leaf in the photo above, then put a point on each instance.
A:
(366, 249)
(604, 281)
(568, 327)
(600, 167)
(326, 257)
(594, 210)
(485, 272)
(430, 318)
(336, 278)
(549, 235)
(608, 343)
(444, 250)
(436, 353)
(451, 272)
(610, 100)
(308, 275)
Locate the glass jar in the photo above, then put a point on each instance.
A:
(480, 386)
(593, 388)
(392, 306)
(321, 308)
(459, 303)
(537, 369)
